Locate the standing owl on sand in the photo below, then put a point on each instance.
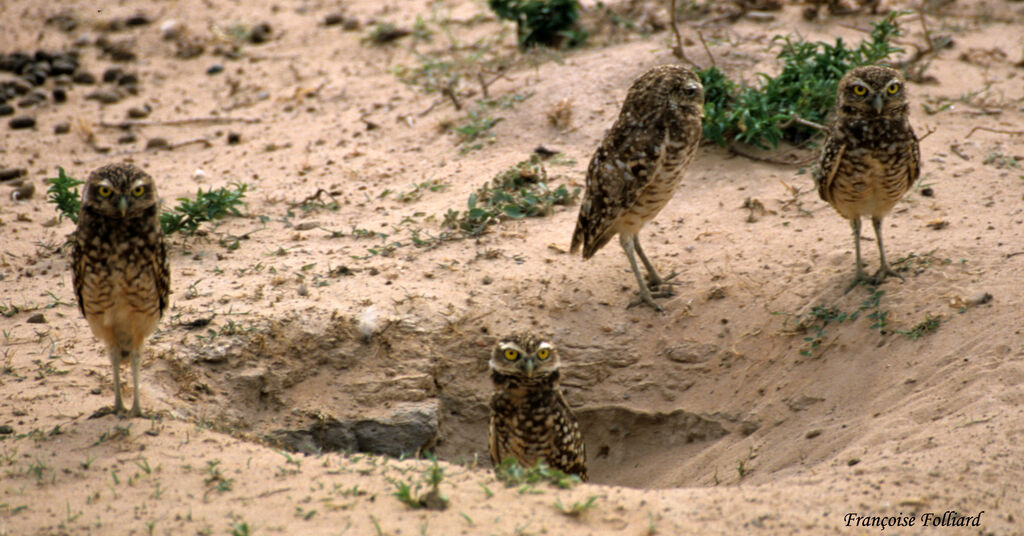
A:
(638, 165)
(120, 271)
(871, 157)
(530, 419)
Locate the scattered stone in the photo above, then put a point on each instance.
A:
(813, 433)
(37, 318)
(127, 138)
(303, 290)
(104, 96)
(23, 121)
(117, 50)
(65, 21)
(333, 19)
(62, 128)
(853, 461)
(112, 74)
(927, 192)
(157, 143)
(31, 100)
(937, 224)
(215, 69)
(979, 299)
(12, 173)
(260, 33)
(715, 293)
(6, 109)
(127, 79)
(350, 25)
(691, 352)
(802, 403)
(60, 95)
(487, 280)
(6, 429)
(84, 78)
(139, 19)
(171, 29)
(749, 427)
(24, 192)
(139, 112)
(95, 391)
(234, 138)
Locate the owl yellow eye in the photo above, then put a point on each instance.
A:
(511, 354)
(894, 88)
(860, 91)
(543, 353)
(138, 191)
(105, 191)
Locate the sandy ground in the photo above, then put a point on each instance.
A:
(708, 419)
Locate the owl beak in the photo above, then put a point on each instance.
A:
(877, 103)
(122, 205)
(528, 365)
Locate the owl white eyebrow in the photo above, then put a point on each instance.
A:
(510, 346)
(138, 183)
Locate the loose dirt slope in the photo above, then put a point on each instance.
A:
(718, 417)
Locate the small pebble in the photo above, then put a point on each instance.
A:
(979, 299)
(157, 143)
(105, 96)
(84, 78)
(813, 434)
(62, 128)
(127, 138)
(139, 19)
(6, 429)
(234, 138)
(24, 192)
(487, 280)
(6, 109)
(350, 25)
(60, 95)
(12, 173)
(112, 74)
(260, 33)
(127, 79)
(303, 290)
(334, 18)
(215, 69)
(37, 318)
(927, 192)
(95, 391)
(23, 121)
(139, 112)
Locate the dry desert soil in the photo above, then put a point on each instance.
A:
(332, 322)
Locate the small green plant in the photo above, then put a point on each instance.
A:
(63, 192)
(215, 479)
(577, 507)
(929, 325)
(477, 124)
(512, 474)
(207, 206)
(550, 23)
(518, 192)
(805, 89)
(432, 499)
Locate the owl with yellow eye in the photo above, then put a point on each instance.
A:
(119, 267)
(530, 419)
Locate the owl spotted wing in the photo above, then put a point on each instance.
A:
(78, 271)
(161, 270)
(569, 453)
(622, 165)
(828, 165)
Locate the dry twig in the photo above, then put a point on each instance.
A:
(179, 122)
(996, 130)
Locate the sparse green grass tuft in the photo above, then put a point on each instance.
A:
(929, 325)
(512, 474)
(805, 89)
(207, 206)
(577, 507)
(515, 193)
(549, 23)
(63, 192)
(412, 494)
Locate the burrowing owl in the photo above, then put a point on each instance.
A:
(121, 275)
(638, 165)
(530, 419)
(871, 156)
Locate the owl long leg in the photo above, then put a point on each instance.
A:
(883, 270)
(653, 279)
(628, 242)
(136, 356)
(859, 277)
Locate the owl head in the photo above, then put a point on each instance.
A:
(671, 87)
(120, 191)
(873, 91)
(524, 355)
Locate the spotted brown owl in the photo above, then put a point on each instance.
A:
(638, 165)
(530, 420)
(871, 157)
(120, 271)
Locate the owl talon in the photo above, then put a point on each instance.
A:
(881, 274)
(648, 299)
(107, 410)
